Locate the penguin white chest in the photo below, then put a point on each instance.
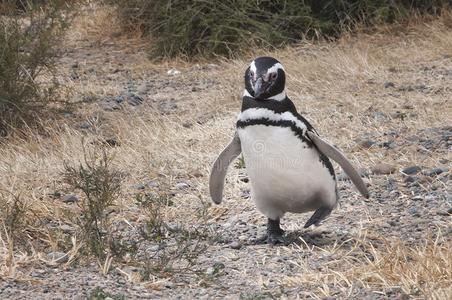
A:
(285, 174)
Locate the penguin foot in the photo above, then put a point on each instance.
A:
(320, 214)
(274, 233)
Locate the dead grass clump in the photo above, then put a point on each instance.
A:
(14, 221)
(376, 263)
(101, 186)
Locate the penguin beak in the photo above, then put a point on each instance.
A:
(259, 88)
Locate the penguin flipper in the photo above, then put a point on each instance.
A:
(220, 167)
(338, 157)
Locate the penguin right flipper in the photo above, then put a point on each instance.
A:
(337, 156)
(220, 167)
(320, 214)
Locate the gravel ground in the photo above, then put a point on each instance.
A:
(220, 255)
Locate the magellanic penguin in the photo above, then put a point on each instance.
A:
(286, 160)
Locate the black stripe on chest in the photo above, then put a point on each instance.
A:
(279, 107)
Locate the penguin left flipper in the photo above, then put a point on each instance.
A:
(220, 167)
(338, 157)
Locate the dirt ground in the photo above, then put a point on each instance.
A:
(383, 98)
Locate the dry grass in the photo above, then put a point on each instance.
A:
(380, 265)
(337, 86)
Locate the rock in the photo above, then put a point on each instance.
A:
(413, 211)
(411, 170)
(383, 169)
(445, 213)
(365, 144)
(245, 193)
(70, 199)
(58, 257)
(235, 245)
(134, 99)
(436, 171)
(110, 106)
(243, 178)
(139, 186)
(392, 223)
(112, 142)
(152, 184)
(196, 174)
(182, 186)
(389, 84)
(417, 198)
(173, 72)
(66, 228)
(118, 99)
(167, 107)
(379, 116)
(410, 179)
(84, 125)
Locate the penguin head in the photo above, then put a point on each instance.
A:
(265, 79)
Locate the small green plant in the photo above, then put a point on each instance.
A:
(101, 186)
(100, 294)
(152, 204)
(240, 164)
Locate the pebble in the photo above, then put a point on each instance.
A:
(366, 144)
(173, 72)
(411, 170)
(413, 211)
(70, 199)
(410, 179)
(58, 257)
(383, 169)
(436, 171)
(66, 228)
(417, 198)
(139, 186)
(389, 84)
(235, 245)
(182, 186)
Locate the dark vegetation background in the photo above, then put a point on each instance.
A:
(31, 30)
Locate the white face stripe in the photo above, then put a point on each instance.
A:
(247, 94)
(259, 113)
(275, 68)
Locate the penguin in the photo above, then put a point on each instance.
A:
(287, 162)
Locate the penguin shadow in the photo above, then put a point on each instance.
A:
(307, 237)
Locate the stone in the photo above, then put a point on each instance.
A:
(182, 186)
(70, 199)
(383, 169)
(173, 72)
(389, 84)
(365, 143)
(235, 245)
(411, 170)
(417, 198)
(58, 257)
(436, 171)
(139, 186)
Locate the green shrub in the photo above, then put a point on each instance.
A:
(101, 187)
(29, 35)
(217, 27)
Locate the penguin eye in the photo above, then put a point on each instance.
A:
(273, 75)
(252, 74)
